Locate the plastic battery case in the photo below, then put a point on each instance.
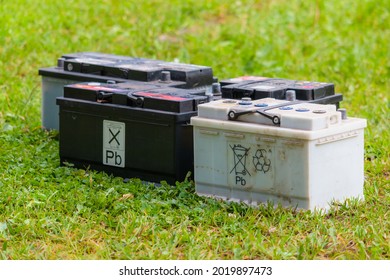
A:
(100, 67)
(307, 160)
(129, 131)
(262, 87)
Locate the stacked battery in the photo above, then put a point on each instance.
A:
(129, 129)
(98, 67)
(262, 87)
(138, 69)
(266, 139)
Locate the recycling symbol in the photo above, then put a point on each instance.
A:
(261, 161)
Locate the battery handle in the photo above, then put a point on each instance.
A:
(233, 115)
(104, 97)
(137, 101)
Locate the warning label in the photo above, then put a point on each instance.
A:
(114, 143)
(250, 163)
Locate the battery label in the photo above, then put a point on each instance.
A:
(114, 143)
(250, 163)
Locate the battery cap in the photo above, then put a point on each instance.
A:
(60, 62)
(245, 101)
(319, 111)
(261, 105)
(165, 76)
(302, 110)
(290, 95)
(343, 112)
(216, 88)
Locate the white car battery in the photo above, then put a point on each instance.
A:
(296, 154)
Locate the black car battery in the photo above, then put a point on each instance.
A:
(274, 88)
(129, 131)
(99, 67)
(139, 69)
(281, 89)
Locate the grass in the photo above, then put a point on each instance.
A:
(52, 212)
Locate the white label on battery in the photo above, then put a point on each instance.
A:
(114, 143)
(263, 87)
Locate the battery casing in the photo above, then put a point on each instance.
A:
(311, 158)
(100, 67)
(262, 87)
(148, 137)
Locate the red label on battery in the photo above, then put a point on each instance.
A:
(160, 96)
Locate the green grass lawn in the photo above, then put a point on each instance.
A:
(53, 212)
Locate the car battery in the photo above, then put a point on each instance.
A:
(278, 88)
(99, 67)
(129, 131)
(293, 153)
